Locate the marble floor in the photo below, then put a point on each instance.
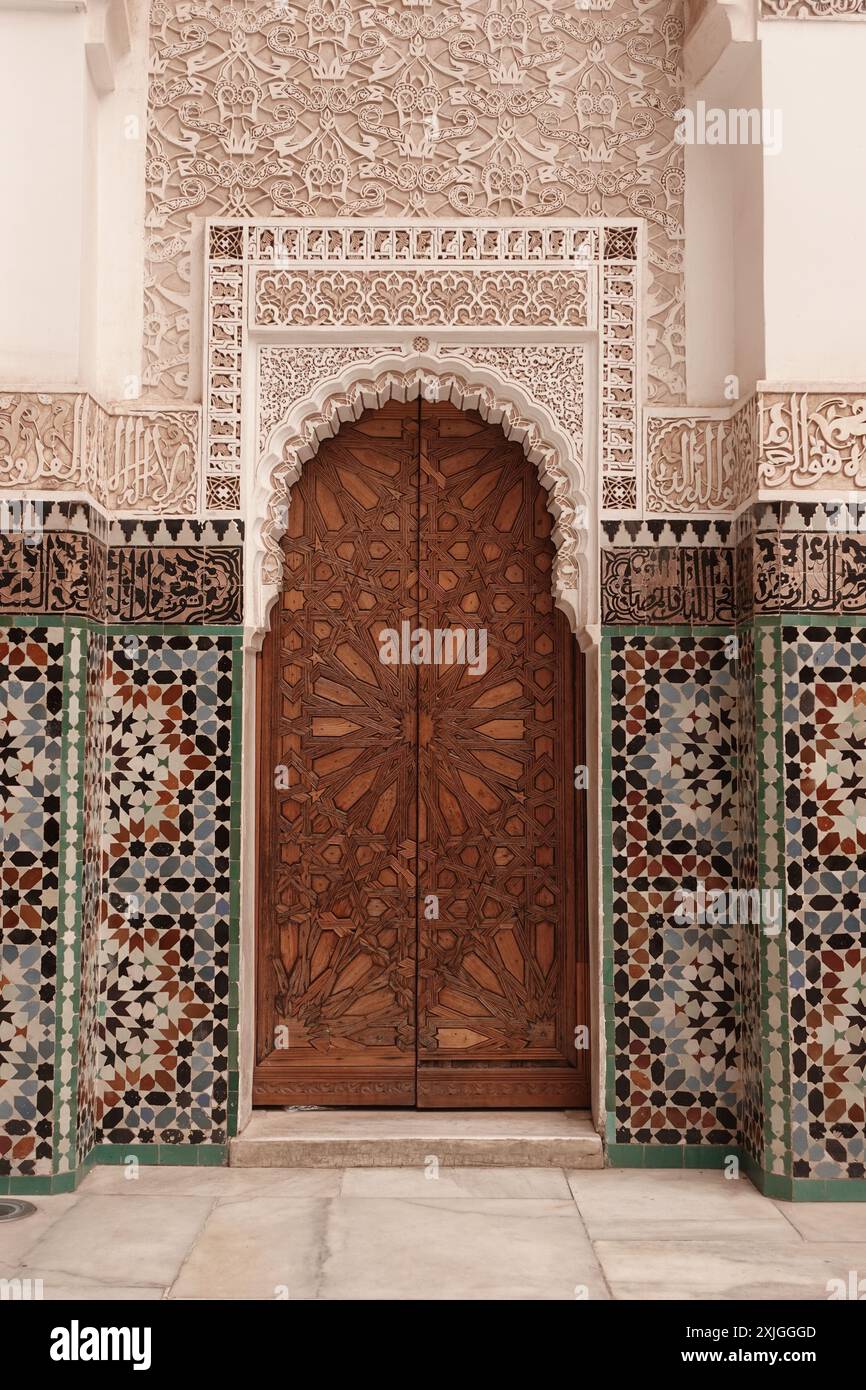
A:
(468, 1233)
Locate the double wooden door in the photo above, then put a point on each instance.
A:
(420, 857)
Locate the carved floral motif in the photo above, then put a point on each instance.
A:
(399, 298)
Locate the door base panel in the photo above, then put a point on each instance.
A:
(501, 1088)
(280, 1082)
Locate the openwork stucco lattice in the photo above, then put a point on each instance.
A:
(305, 278)
(318, 412)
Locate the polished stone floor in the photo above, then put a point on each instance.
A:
(470, 1233)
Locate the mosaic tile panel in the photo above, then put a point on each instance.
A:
(66, 1016)
(88, 1060)
(751, 1108)
(672, 792)
(169, 868)
(771, 873)
(824, 714)
(31, 773)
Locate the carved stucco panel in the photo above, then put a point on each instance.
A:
(342, 108)
(37, 440)
(289, 374)
(308, 277)
(405, 298)
(553, 374)
(812, 439)
(785, 441)
(691, 463)
(813, 9)
(131, 461)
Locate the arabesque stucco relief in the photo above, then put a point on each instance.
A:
(340, 108)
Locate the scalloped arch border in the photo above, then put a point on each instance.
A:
(367, 385)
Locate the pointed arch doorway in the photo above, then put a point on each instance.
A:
(421, 935)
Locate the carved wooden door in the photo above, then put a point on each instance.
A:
(418, 937)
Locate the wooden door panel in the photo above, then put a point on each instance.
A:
(406, 785)
(337, 930)
(497, 966)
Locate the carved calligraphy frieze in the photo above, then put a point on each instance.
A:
(812, 439)
(136, 461)
(691, 463)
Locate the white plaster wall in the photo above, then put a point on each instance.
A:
(43, 83)
(709, 262)
(748, 165)
(815, 201)
(88, 356)
(72, 232)
(724, 241)
(119, 288)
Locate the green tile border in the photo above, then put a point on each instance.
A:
(114, 1156)
(122, 629)
(235, 852)
(715, 1156)
(671, 1155)
(665, 629)
(162, 1155)
(606, 842)
(680, 1157)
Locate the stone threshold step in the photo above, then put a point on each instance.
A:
(407, 1138)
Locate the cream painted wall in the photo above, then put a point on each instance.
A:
(815, 202)
(43, 85)
(724, 242)
(748, 164)
(122, 141)
(72, 233)
(709, 273)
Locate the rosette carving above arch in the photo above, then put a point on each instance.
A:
(482, 386)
